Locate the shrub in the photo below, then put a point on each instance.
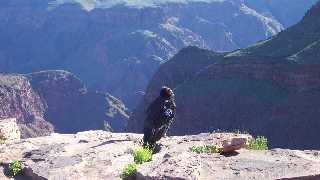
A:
(259, 143)
(15, 167)
(142, 154)
(129, 171)
(205, 149)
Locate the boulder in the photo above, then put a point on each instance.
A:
(233, 144)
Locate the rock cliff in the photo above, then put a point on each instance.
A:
(49, 101)
(103, 155)
(20, 101)
(270, 88)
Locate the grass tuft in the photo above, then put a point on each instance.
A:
(2, 138)
(259, 143)
(142, 154)
(15, 167)
(129, 171)
(205, 149)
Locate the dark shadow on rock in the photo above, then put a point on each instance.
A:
(26, 174)
(35, 155)
(109, 142)
(313, 177)
(157, 148)
(6, 170)
(83, 141)
(133, 177)
(230, 154)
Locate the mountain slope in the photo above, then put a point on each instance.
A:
(271, 88)
(57, 101)
(19, 100)
(116, 46)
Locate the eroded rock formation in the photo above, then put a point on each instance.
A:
(49, 101)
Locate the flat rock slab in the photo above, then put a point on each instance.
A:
(102, 155)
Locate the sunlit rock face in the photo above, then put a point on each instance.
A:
(19, 100)
(116, 46)
(57, 101)
(9, 130)
(103, 155)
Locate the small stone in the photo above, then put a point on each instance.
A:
(233, 144)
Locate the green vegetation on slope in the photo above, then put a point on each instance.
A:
(15, 167)
(129, 171)
(205, 149)
(142, 154)
(259, 143)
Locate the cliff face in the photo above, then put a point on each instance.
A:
(57, 101)
(116, 46)
(270, 88)
(18, 100)
(103, 155)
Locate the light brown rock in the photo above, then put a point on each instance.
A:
(100, 155)
(9, 129)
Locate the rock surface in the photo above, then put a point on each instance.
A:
(10, 130)
(103, 155)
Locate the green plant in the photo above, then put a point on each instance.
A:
(205, 149)
(129, 171)
(259, 143)
(2, 138)
(15, 167)
(142, 154)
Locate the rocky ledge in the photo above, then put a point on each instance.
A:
(103, 155)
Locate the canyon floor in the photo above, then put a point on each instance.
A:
(95, 155)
